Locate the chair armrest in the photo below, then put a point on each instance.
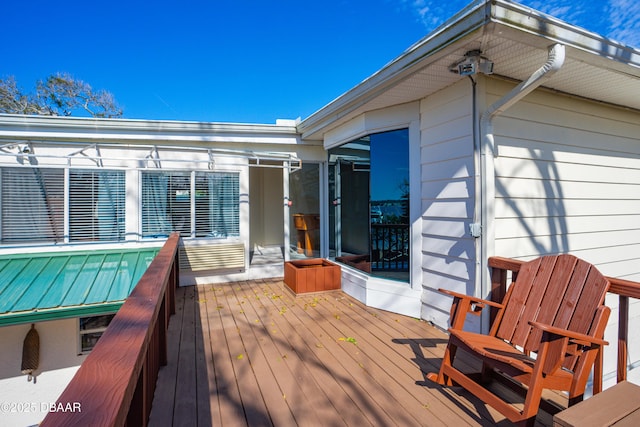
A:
(471, 299)
(582, 339)
(463, 304)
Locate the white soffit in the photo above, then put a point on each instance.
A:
(598, 79)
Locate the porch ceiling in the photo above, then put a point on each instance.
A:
(595, 68)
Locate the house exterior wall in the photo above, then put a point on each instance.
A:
(128, 146)
(567, 181)
(448, 199)
(567, 174)
(59, 361)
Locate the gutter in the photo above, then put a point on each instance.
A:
(485, 201)
(16, 125)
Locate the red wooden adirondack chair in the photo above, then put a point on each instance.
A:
(555, 309)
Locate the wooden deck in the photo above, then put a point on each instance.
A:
(253, 354)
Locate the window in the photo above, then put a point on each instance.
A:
(217, 208)
(96, 205)
(369, 210)
(32, 205)
(166, 201)
(91, 329)
(206, 207)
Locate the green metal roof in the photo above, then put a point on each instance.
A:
(48, 286)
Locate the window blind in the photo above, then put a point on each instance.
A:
(32, 202)
(207, 208)
(166, 203)
(96, 205)
(217, 204)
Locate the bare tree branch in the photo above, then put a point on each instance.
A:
(58, 95)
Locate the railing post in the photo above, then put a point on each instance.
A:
(163, 324)
(136, 409)
(598, 372)
(623, 336)
(174, 282)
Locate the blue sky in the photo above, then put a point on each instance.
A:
(240, 61)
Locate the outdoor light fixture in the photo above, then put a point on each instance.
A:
(472, 63)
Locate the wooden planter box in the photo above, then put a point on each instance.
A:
(311, 275)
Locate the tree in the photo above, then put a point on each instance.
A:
(58, 95)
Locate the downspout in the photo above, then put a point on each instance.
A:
(554, 62)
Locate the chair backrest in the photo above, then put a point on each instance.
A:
(560, 290)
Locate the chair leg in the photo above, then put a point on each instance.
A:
(575, 399)
(447, 360)
(532, 401)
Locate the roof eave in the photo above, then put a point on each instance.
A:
(477, 15)
(87, 128)
(530, 21)
(465, 22)
(35, 316)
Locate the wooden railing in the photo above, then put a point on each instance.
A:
(114, 386)
(625, 289)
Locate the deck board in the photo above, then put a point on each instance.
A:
(254, 354)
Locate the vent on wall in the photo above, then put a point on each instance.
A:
(212, 257)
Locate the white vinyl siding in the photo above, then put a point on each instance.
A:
(447, 177)
(569, 182)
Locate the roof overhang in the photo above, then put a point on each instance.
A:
(58, 285)
(83, 129)
(516, 39)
